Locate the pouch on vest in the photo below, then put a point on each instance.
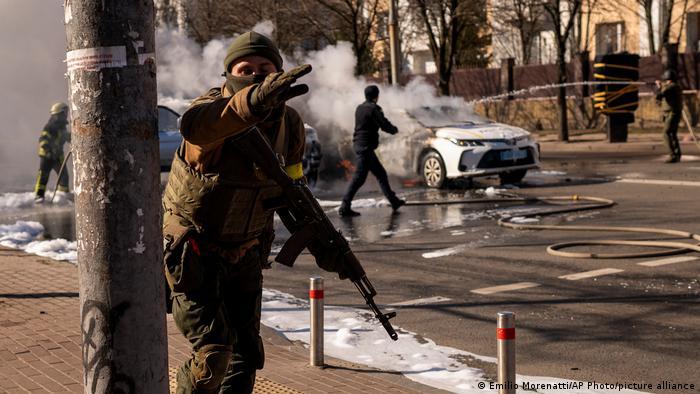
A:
(184, 270)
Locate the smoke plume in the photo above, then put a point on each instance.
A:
(32, 76)
(32, 38)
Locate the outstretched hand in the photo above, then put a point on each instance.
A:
(277, 88)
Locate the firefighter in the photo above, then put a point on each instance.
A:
(670, 96)
(53, 137)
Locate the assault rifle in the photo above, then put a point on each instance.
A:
(306, 221)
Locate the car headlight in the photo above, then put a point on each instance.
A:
(465, 142)
(523, 138)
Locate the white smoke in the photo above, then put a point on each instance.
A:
(187, 70)
(32, 75)
(32, 38)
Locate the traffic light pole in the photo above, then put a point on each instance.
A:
(111, 66)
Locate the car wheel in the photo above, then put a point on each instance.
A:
(512, 176)
(433, 170)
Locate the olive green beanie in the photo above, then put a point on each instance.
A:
(252, 43)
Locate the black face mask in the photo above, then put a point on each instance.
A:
(236, 83)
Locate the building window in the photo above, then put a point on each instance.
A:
(610, 38)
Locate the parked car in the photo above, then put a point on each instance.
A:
(169, 135)
(453, 144)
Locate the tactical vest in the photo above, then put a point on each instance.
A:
(226, 206)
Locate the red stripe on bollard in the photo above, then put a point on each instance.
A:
(505, 333)
(316, 294)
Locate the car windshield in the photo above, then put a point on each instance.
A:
(444, 116)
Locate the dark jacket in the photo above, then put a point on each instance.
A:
(671, 98)
(53, 137)
(369, 118)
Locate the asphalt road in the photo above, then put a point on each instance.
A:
(632, 323)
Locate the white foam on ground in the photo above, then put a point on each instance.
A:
(549, 172)
(354, 335)
(445, 252)
(25, 235)
(14, 201)
(523, 220)
(359, 203)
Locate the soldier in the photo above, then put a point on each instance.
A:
(369, 118)
(217, 232)
(51, 141)
(670, 96)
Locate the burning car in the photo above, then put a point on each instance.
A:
(443, 143)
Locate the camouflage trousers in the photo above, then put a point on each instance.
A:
(221, 319)
(671, 121)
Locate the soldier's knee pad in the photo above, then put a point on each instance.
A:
(209, 366)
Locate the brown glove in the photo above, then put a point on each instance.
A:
(277, 88)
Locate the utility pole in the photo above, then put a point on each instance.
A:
(111, 66)
(394, 46)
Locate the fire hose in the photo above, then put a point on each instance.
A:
(60, 172)
(590, 203)
(690, 128)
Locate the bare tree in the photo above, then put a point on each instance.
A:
(298, 25)
(442, 22)
(525, 18)
(357, 20)
(666, 20)
(563, 16)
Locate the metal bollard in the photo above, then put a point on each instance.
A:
(316, 304)
(505, 335)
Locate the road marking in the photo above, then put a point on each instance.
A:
(658, 182)
(500, 289)
(670, 260)
(591, 274)
(422, 301)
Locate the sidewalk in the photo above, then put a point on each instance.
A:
(597, 142)
(40, 338)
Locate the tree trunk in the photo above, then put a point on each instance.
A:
(650, 26)
(112, 75)
(444, 82)
(561, 97)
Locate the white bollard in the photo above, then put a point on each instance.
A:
(505, 336)
(316, 327)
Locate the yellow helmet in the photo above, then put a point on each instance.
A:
(57, 108)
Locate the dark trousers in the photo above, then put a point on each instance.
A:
(671, 121)
(45, 166)
(222, 321)
(368, 162)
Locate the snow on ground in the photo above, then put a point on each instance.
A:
(523, 220)
(25, 235)
(14, 201)
(548, 172)
(354, 335)
(445, 252)
(359, 203)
